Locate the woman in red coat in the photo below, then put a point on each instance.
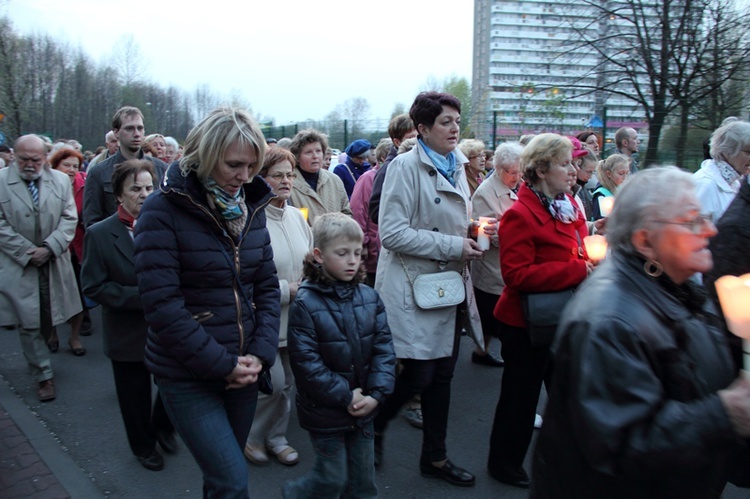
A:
(69, 161)
(540, 238)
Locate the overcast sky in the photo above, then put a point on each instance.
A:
(291, 60)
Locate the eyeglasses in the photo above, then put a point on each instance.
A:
(695, 225)
(280, 176)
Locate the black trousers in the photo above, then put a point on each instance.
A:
(486, 306)
(525, 369)
(133, 386)
(432, 378)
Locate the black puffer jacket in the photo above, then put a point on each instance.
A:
(633, 409)
(199, 322)
(338, 341)
(730, 251)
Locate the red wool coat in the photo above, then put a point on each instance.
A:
(537, 254)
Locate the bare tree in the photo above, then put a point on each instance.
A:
(14, 84)
(356, 111)
(128, 59)
(654, 53)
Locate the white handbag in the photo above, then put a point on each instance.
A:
(437, 290)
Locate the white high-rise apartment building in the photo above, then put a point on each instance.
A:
(524, 64)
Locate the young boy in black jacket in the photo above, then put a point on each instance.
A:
(343, 361)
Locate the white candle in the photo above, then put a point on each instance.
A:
(605, 205)
(596, 247)
(734, 296)
(483, 239)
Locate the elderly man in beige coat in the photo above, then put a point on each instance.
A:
(37, 223)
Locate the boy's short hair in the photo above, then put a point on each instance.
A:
(332, 226)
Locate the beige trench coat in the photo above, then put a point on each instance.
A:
(19, 293)
(491, 199)
(329, 197)
(425, 219)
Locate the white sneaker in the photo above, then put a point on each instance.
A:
(538, 421)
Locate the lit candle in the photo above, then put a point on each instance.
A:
(605, 205)
(305, 212)
(734, 296)
(483, 239)
(596, 246)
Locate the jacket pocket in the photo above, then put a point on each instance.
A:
(202, 317)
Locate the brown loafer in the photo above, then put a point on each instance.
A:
(46, 391)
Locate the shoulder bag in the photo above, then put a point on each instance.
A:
(436, 290)
(542, 311)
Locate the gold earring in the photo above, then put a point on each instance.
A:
(653, 268)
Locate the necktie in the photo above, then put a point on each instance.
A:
(34, 192)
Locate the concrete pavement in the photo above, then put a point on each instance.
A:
(75, 446)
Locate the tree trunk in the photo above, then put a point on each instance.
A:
(683, 135)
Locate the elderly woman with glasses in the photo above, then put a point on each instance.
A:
(473, 149)
(642, 402)
(492, 199)
(291, 240)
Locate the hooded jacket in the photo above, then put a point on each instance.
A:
(338, 341)
(199, 321)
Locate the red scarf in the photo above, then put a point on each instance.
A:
(125, 217)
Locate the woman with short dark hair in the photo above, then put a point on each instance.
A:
(316, 188)
(424, 226)
(108, 277)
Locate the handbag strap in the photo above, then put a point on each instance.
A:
(464, 271)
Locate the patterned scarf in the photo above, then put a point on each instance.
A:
(729, 174)
(446, 165)
(560, 208)
(227, 204)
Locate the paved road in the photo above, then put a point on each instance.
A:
(81, 439)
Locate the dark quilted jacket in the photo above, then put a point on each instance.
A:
(338, 341)
(199, 322)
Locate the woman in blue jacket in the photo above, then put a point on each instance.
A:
(210, 293)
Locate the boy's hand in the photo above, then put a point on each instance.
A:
(356, 398)
(363, 407)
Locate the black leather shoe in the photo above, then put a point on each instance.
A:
(448, 472)
(486, 360)
(516, 478)
(167, 441)
(152, 461)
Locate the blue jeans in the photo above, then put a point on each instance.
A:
(344, 467)
(214, 423)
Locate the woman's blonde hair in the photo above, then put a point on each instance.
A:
(607, 166)
(207, 143)
(538, 155)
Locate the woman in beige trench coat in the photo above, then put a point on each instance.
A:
(425, 223)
